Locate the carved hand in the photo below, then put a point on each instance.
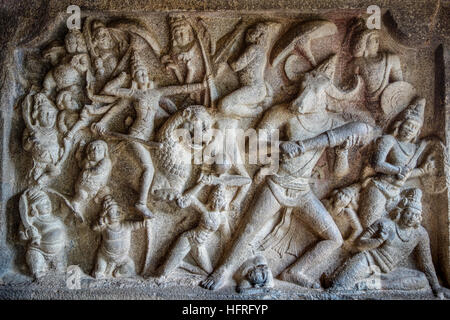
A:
(429, 167)
(99, 128)
(290, 149)
(403, 172)
(184, 201)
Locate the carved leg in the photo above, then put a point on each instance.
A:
(242, 102)
(176, 255)
(355, 269)
(372, 205)
(201, 257)
(260, 211)
(126, 269)
(313, 213)
(59, 262)
(37, 263)
(100, 267)
(146, 178)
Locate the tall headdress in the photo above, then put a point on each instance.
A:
(415, 111)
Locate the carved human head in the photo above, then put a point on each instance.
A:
(258, 273)
(182, 33)
(409, 210)
(366, 43)
(140, 73)
(40, 204)
(97, 150)
(111, 211)
(44, 111)
(345, 196)
(410, 121)
(74, 42)
(66, 101)
(80, 62)
(257, 33)
(102, 36)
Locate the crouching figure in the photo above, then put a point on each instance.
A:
(113, 255)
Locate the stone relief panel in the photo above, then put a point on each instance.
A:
(249, 152)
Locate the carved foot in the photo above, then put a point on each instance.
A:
(299, 279)
(142, 208)
(214, 281)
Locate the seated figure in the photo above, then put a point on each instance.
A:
(387, 243)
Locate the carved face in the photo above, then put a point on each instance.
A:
(373, 44)
(43, 207)
(103, 39)
(75, 43)
(46, 116)
(142, 79)
(312, 97)
(96, 151)
(410, 217)
(408, 130)
(182, 36)
(113, 216)
(341, 200)
(254, 34)
(258, 274)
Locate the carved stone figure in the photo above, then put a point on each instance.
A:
(212, 218)
(250, 66)
(113, 258)
(255, 274)
(95, 172)
(299, 132)
(388, 242)
(306, 121)
(174, 157)
(343, 204)
(219, 175)
(395, 160)
(185, 58)
(42, 138)
(44, 233)
(377, 68)
(146, 96)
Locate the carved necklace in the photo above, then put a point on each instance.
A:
(408, 234)
(408, 153)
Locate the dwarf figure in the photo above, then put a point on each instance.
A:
(343, 204)
(395, 160)
(388, 242)
(41, 137)
(212, 219)
(95, 173)
(45, 233)
(255, 274)
(113, 255)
